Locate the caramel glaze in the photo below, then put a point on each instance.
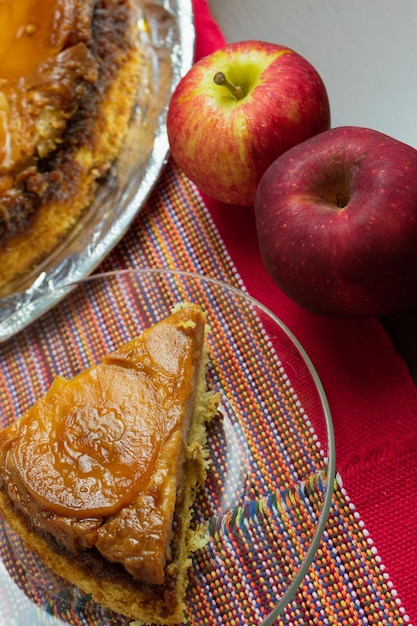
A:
(51, 81)
(98, 460)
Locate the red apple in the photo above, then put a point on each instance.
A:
(337, 223)
(237, 110)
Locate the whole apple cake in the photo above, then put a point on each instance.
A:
(69, 75)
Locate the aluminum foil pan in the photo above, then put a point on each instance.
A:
(167, 37)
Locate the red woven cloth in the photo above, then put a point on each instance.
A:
(371, 394)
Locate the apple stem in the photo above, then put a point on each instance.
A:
(235, 90)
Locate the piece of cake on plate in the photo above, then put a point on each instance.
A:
(99, 475)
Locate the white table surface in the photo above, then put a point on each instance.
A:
(364, 50)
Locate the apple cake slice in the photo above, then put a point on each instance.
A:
(99, 475)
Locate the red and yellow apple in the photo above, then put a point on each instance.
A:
(237, 110)
(337, 223)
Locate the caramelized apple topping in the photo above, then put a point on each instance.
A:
(32, 32)
(42, 55)
(77, 454)
(90, 445)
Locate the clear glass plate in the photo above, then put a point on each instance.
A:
(166, 42)
(269, 487)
